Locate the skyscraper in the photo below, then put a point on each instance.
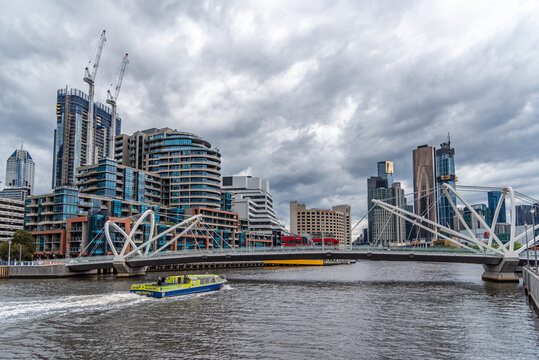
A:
(493, 199)
(445, 173)
(20, 171)
(385, 171)
(72, 134)
(384, 227)
(189, 164)
(425, 187)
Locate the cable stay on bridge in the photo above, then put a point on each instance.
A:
(449, 234)
(100, 234)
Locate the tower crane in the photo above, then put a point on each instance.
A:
(111, 99)
(89, 77)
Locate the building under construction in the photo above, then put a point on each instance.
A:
(85, 129)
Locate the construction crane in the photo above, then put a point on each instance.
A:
(111, 99)
(89, 77)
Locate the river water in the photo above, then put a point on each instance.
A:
(368, 310)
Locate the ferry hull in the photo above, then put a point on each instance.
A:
(177, 292)
(179, 285)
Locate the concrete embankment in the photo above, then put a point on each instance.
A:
(45, 271)
(531, 285)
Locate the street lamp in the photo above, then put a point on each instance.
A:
(527, 253)
(20, 253)
(8, 252)
(534, 242)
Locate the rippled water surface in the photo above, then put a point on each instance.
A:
(368, 310)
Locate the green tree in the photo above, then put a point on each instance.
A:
(20, 237)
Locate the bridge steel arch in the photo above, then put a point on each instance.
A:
(505, 271)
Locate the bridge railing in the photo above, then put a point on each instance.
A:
(279, 249)
(306, 249)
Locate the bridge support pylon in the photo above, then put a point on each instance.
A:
(124, 270)
(505, 271)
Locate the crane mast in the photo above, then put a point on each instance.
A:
(111, 100)
(89, 77)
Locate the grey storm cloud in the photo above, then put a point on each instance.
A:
(309, 95)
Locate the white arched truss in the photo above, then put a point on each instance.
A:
(453, 236)
(189, 224)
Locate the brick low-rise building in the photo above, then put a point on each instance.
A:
(315, 222)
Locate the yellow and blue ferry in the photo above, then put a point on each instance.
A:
(179, 285)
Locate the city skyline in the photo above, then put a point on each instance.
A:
(312, 122)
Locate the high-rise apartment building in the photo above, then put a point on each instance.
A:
(493, 199)
(316, 222)
(425, 203)
(251, 199)
(189, 166)
(445, 174)
(20, 171)
(72, 145)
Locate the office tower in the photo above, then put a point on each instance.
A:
(493, 199)
(20, 171)
(524, 215)
(252, 201)
(445, 173)
(316, 222)
(385, 171)
(384, 227)
(425, 187)
(72, 135)
(189, 165)
(471, 221)
(375, 190)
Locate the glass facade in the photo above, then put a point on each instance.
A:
(129, 184)
(445, 173)
(71, 134)
(493, 199)
(385, 171)
(189, 166)
(66, 203)
(20, 170)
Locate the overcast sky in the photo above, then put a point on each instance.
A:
(308, 94)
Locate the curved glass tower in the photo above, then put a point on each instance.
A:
(190, 166)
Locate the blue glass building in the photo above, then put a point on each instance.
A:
(71, 143)
(493, 199)
(445, 173)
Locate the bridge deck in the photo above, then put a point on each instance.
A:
(231, 255)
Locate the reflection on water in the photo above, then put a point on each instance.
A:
(366, 310)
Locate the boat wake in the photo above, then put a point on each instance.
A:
(35, 309)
